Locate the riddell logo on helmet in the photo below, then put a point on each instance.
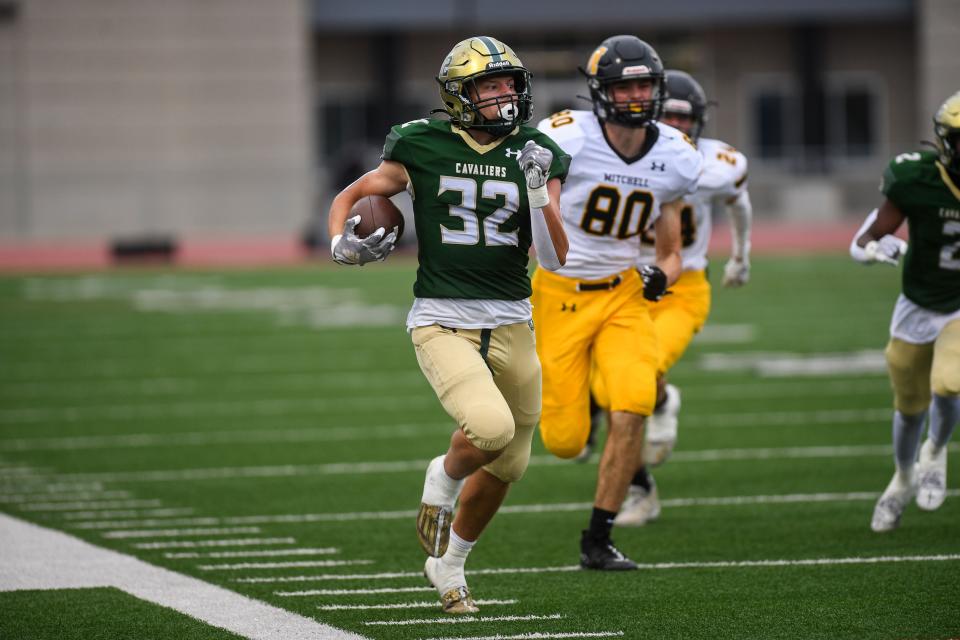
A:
(636, 71)
(500, 64)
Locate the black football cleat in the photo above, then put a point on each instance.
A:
(602, 555)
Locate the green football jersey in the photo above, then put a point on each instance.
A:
(925, 193)
(470, 208)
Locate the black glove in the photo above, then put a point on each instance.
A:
(654, 282)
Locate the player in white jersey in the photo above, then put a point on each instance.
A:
(678, 317)
(628, 174)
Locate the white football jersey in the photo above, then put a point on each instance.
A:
(724, 177)
(608, 201)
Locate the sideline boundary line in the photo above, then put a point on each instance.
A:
(34, 557)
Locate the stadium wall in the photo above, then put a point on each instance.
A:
(175, 117)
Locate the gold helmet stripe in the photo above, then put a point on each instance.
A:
(594, 62)
(491, 47)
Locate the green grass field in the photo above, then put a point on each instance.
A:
(282, 414)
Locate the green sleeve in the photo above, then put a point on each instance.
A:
(392, 149)
(890, 186)
(901, 177)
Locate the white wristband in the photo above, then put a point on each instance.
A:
(865, 254)
(538, 198)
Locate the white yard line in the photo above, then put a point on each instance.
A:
(226, 542)
(33, 557)
(432, 604)
(554, 507)
(769, 388)
(655, 566)
(399, 466)
(786, 418)
(239, 566)
(463, 619)
(338, 434)
(269, 553)
(90, 505)
(188, 385)
(205, 438)
(782, 364)
(19, 498)
(538, 635)
(129, 513)
(54, 488)
(175, 533)
(350, 592)
(232, 408)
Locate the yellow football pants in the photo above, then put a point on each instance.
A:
(676, 318)
(610, 326)
(680, 316)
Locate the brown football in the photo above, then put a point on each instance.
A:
(376, 212)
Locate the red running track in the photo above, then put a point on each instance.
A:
(767, 238)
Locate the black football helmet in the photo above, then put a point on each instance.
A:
(620, 58)
(685, 96)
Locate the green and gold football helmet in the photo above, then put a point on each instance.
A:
(467, 62)
(946, 127)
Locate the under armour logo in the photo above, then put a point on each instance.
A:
(654, 166)
(571, 308)
(511, 152)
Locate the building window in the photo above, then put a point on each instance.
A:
(852, 119)
(770, 116)
(852, 106)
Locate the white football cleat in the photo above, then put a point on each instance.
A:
(451, 584)
(661, 429)
(932, 471)
(639, 507)
(890, 506)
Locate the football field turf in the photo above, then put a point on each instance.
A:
(267, 431)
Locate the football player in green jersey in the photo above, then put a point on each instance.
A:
(484, 187)
(923, 355)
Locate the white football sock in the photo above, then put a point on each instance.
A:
(906, 439)
(438, 487)
(457, 551)
(944, 415)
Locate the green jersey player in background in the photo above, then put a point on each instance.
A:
(923, 355)
(484, 187)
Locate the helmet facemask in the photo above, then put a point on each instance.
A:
(677, 106)
(948, 147)
(628, 113)
(946, 128)
(685, 97)
(514, 108)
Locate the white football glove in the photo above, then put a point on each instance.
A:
(535, 162)
(736, 273)
(348, 248)
(887, 249)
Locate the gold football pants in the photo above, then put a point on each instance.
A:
(917, 369)
(488, 380)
